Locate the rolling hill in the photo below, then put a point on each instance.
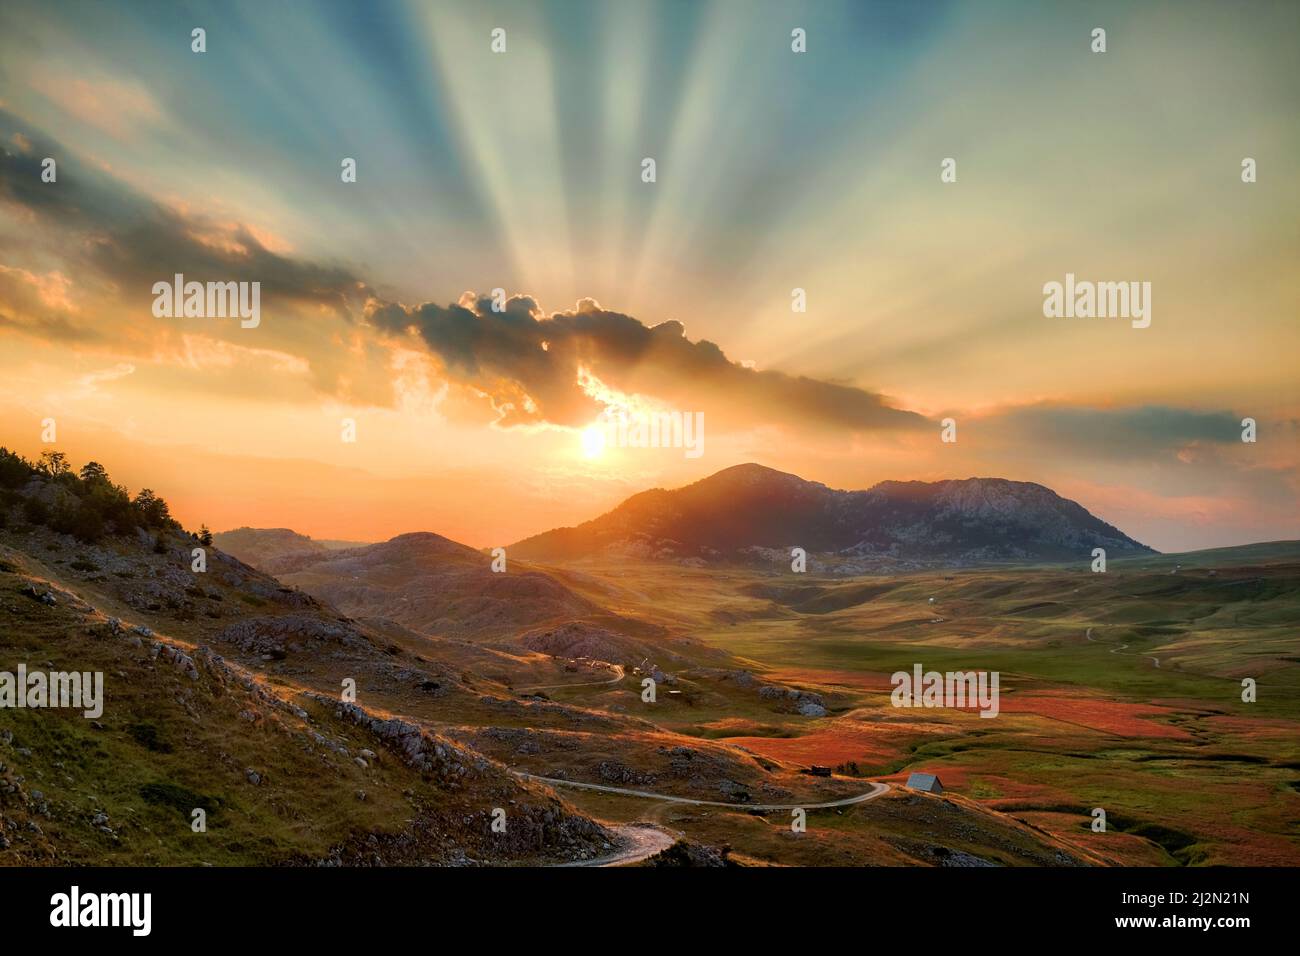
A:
(261, 547)
(432, 585)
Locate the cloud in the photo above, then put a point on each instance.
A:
(528, 367)
(1141, 431)
(89, 383)
(120, 107)
(133, 240)
(1183, 456)
(117, 242)
(40, 305)
(525, 363)
(529, 364)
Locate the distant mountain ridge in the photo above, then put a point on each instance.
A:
(262, 547)
(747, 512)
(433, 585)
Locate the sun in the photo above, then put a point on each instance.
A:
(593, 441)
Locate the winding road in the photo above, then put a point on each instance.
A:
(876, 790)
(616, 668)
(1154, 660)
(642, 841)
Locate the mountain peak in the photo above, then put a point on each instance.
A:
(753, 475)
(751, 509)
(749, 469)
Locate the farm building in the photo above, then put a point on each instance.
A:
(924, 781)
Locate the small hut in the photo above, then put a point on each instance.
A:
(924, 781)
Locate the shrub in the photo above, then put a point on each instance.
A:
(103, 506)
(35, 511)
(15, 470)
(113, 504)
(82, 521)
(179, 798)
(147, 736)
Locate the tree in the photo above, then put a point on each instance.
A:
(153, 510)
(54, 464)
(113, 503)
(93, 473)
(15, 470)
(205, 536)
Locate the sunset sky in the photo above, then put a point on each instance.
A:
(775, 170)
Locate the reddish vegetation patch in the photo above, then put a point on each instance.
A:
(841, 742)
(1256, 849)
(964, 778)
(1095, 713)
(1112, 847)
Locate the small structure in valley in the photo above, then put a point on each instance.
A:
(924, 781)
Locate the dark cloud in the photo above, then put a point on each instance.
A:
(134, 241)
(520, 352)
(1132, 432)
(525, 361)
(1164, 451)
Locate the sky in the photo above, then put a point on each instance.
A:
(523, 170)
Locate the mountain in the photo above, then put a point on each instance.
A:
(432, 585)
(750, 512)
(262, 547)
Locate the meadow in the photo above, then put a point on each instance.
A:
(1120, 690)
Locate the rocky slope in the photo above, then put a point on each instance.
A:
(222, 692)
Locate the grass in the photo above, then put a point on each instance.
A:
(1189, 773)
(166, 745)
